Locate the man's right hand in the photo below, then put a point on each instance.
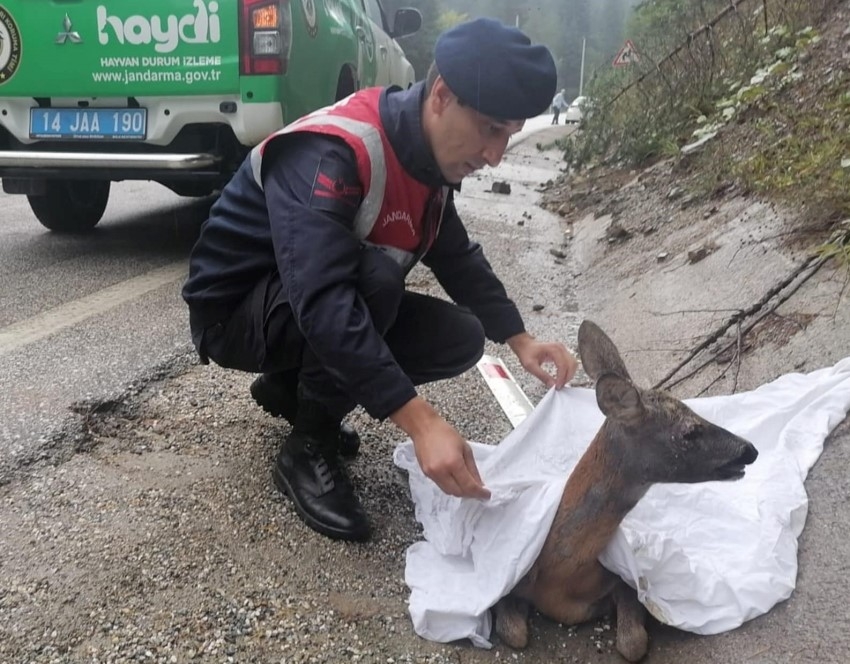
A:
(443, 454)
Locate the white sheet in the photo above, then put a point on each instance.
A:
(705, 557)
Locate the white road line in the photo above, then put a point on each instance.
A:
(49, 322)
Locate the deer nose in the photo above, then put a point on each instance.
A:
(749, 454)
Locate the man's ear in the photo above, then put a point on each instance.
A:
(441, 97)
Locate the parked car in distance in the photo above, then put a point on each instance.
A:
(175, 91)
(574, 111)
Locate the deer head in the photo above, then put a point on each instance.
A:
(658, 437)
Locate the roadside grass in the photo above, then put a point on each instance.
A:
(804, 152)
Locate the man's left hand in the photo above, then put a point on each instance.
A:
(534, 354)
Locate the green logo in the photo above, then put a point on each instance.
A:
(10, 46)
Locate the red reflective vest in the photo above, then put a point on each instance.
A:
(398, 214)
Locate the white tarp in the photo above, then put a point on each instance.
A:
(708, 556)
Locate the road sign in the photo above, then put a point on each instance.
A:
(627, 55)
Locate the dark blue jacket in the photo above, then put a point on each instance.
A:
(313, 249)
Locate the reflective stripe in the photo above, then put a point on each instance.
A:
(257, 160)
(367, 215)
(369, 209)
(400, 256)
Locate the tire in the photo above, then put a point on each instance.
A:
(71, 206)
(345, 84)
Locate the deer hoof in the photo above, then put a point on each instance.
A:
(632, 644)
(511, 623)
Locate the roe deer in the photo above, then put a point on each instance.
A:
(648, 436)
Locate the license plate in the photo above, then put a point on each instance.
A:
(89, 123)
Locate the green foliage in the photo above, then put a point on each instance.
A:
(806, 150)
(450, 19)
(838, 245)
(701, 65)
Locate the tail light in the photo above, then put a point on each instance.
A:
(265, 36)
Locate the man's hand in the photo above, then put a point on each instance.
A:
(443, 454)
(533, 355)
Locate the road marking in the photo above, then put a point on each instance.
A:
(49, 322)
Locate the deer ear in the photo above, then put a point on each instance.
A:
(618, 398)
(598, 353)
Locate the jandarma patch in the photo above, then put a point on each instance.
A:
(10, 46)
(334, 190)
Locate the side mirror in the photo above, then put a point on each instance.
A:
(406, 22)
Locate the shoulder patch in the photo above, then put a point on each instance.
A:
(336, 189)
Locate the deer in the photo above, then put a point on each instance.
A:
(648, 436)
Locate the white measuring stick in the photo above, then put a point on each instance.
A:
(505, 388)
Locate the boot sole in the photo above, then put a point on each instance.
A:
(284, 487)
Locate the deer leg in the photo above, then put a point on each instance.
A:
(512, 621)
(632, 639)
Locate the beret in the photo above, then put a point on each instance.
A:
(496, 70)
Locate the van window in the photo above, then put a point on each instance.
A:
(376, 13)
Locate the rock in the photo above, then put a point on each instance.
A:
(662, 257)
(501, 188)
(557, 253)
(537, 307)
(616, 233)
(686, 201)
(697, 145)
(696, 255)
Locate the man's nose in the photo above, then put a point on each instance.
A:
(494, 152)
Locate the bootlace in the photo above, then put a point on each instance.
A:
(325, 473)
(328, 467)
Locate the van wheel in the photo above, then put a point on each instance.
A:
(71, 206)
(345, 84)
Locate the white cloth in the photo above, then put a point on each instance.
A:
(708, 556)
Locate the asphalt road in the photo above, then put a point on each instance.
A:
(81, 317)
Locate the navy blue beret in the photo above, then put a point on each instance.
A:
(495, 69)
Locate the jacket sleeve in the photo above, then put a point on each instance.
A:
(317, 255)
(464, 273)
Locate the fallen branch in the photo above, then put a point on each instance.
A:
(742, 315)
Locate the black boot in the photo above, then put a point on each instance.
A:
(309, 471)
(276, 393)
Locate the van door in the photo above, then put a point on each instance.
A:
(380, 40)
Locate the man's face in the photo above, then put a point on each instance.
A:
(462, 139)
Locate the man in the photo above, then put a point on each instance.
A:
(299, 271)
(559, 103)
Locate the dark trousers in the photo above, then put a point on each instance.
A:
(431, 339)
(556, 113)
